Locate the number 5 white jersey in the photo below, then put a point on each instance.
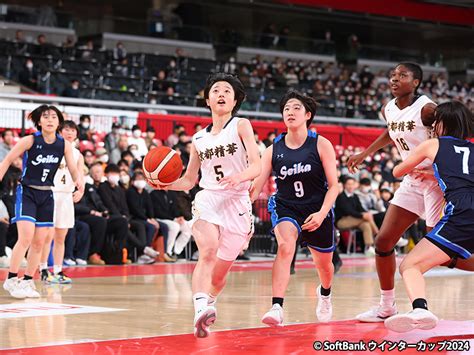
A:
(63, 180)
(406, 128)
(221, 155)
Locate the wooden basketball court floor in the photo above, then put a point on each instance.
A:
(148, 310)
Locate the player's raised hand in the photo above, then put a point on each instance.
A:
(230, 181)
(354, 162)
(313, 221)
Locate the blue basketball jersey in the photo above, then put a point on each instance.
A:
(299, 173)
(41, 161)
(454, 166)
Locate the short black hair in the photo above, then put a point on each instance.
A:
(125, 153)
(234, 81)
(308, 102)
(364, 181)
(84, 117)
(36, 114)
(88, 151)
(415, 69)
(4, 133)
(346, 178)
(122, 161)
(112, 168)
(136, 174)
(96, 163)
(457, 120)
(70, 124)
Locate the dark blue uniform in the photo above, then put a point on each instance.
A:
(454, 169)
(301, 188)
(34, 198)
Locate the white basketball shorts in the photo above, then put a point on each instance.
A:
(233, 215)
(63, 210)
(424, 198)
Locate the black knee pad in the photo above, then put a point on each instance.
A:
(384, 253)
(452, 263)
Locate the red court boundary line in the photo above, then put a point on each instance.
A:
(294, 338)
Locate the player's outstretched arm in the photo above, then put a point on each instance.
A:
(357, 159)
(190, 177)
(427, 149)
(77, 177)
(328, 158)
(260, 181)
(381, 141)
(22, 146)
(253, 170)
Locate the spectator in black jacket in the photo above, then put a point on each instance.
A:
(93, 211)
(141, 210)
(114, 198)
(350, 214)
(167, 212)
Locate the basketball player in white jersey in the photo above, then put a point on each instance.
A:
(227, 154)
(409, 118)
(64, 199)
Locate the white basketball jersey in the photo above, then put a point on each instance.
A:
(406, 127)
(221, 155)
(63, 180)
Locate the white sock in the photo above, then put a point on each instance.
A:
(43, 266)
(200, 300)
(57, 269)
(211, 299)
(387, 297)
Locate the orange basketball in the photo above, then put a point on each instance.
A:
(162, 166)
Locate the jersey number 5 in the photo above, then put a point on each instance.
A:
(219, 172)
(465, 158)
(45, 175)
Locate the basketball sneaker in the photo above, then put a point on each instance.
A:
(46, 276)
(203, 319)
(69, 262)
(10, 285)
(61, 279)
(377, 314)
(274, 317)
(81, 262)
(418, 318)
(324, 307)
(25, 289)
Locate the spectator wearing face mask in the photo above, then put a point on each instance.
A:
(115, 200)
(29, 75)
(370, 202)
(85, 131)
(124, 178)
(137, 140)
(141, 210)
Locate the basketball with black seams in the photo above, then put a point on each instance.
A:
(162, 166)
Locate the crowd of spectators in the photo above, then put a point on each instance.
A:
(121, 219)
(341, 90)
